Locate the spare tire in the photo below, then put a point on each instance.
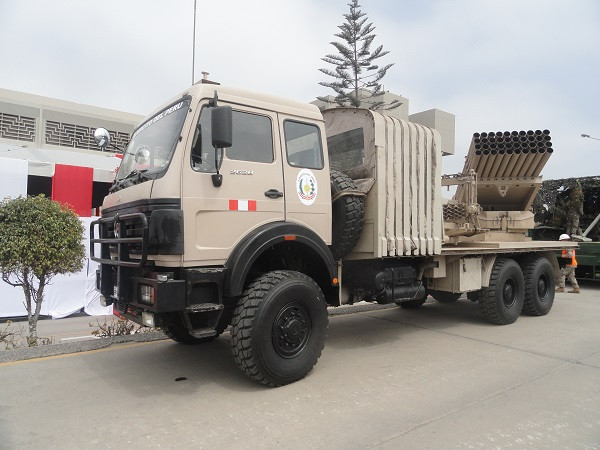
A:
(348, 213)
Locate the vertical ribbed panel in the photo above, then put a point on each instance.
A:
(409, 186)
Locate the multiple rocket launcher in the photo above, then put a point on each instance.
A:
(515, 154)
(508, 166)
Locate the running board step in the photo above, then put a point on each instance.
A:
(204, 307)
(204, 333)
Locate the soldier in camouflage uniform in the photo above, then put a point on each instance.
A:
(574, 210)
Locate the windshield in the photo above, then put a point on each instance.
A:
(152, 144)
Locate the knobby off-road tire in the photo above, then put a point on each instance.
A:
(539, 286)
(348, 213)
(177, 330)
(501, 303)
(445, 297)
(279, 328)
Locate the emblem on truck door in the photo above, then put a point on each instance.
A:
(306, 187)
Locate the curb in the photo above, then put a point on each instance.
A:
(63, 348)
(75, 347)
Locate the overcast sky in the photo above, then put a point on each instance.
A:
(496, 64)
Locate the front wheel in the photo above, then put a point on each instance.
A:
(279, 328)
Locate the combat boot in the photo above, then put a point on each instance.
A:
(560, 289)
(574, 291)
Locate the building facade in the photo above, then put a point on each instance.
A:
(48, 132)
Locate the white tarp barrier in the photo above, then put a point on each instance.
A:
(65, 295)
(13, 178)
(91, 302)
(42, 160)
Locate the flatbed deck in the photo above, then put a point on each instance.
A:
(481, 248)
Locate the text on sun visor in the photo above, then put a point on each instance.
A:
(159, 116)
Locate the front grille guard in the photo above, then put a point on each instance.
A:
(123, 243)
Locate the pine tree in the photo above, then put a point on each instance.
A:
(356, 75)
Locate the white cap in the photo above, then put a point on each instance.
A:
(564, 237)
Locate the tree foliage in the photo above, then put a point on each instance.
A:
(39, 238)
(356, 77)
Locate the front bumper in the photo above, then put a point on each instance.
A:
(167, 296)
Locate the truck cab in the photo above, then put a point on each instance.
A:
(191, 219)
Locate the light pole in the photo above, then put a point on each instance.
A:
(589, 137)
(194, 45)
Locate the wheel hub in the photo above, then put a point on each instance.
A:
(508, 293)
(542, 288)
(291, 330)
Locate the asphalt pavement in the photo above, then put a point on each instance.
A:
(437, 377)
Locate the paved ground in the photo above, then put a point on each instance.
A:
(438, 377)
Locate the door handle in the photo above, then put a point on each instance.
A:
(273, 193)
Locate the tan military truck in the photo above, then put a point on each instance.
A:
(244, 209)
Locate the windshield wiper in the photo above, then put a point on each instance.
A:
(129, 180)
(139, 173)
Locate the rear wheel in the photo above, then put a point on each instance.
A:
(539, 286)
(279, 327)
(501, 303)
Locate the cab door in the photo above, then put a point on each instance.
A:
(251, 194)
(307, 188)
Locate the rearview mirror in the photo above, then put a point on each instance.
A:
(102, 137)
(221, 127)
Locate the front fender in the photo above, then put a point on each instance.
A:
(260, 240)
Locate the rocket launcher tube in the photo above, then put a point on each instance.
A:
(489, 163)
(497, 163)
(504, 163)
(527, 163)
(511, 164)
(534, 162)
(520, 160)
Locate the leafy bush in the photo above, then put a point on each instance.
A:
(39, 238)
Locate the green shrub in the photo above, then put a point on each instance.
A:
(39, 238)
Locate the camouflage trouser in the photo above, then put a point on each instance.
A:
(567, 272)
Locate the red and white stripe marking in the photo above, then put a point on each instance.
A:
(242, 205)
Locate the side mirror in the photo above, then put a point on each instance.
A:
(102, 137)
(221, 126)
(222, 137)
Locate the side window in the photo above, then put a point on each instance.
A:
(252, 140)
(203, 159)
(303, 145)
